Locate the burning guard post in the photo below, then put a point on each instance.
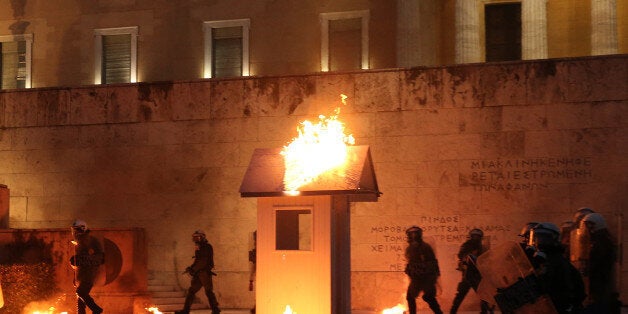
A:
(303, 235)
(303, 241)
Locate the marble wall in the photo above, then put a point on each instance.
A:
(480, 145)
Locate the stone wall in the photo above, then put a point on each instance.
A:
(483, 145)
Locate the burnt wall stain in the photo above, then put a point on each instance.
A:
(145, 112)
(151, 95)
(25, 250)
(146, 90)
(19, 9)
(413, 73)
(266, 89)
(545, 69)
(305, 87)
(414, 78)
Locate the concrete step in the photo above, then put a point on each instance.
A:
(161, 288)
(170, 308)
(167, 294)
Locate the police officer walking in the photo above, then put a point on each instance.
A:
(423, 270)
(467, 257)
(201, 272)
(88, 257)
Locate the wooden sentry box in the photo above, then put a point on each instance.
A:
(303, 241)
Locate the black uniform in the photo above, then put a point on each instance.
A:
(469, 251)
(422, 268)
(89, 256)
(559, 279)
(601, 273)
(201, 272)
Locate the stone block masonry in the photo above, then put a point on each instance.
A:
(479, 145)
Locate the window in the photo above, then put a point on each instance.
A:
(116, 55)
(15, 61)
(226, 48)
(344, 41)
(503, 31)
(293, 229)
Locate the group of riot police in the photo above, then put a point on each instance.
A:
(572, 268)
(89, 255)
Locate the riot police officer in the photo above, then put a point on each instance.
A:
(423, 270)
(87, 259)
(201, 272)
(600, 266)
(557, 277)
(467, 257)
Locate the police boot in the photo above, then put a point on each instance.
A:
(80, 308)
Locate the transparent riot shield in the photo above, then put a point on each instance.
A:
(509, 281)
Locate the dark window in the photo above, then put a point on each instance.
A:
(293, 229)
(227, 51)
(13, 64)
(116, 58)
(345, 44)
(503, 31)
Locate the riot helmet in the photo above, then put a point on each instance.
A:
(525, 231)
(581, 213)
(477, 233)
(414, 233)
(79, 227)
(545, 234)
(594, 222)
(199, 236)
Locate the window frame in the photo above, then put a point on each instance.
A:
(98, 34)
(208, 43)
(363, 15)
(28, 38)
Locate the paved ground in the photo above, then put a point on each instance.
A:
(624, 310)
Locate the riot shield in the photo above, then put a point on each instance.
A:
(509, 281)
(579, 246)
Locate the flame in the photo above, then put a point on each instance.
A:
(289, 310)
(51, 310)
(154, 310)
(319, 148)
(398, 309)
(46, 307)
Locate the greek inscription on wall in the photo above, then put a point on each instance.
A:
(387, 251)
(525, 174)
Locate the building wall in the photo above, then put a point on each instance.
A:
(486, 145)
(285, 35)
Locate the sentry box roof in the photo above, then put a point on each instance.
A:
(264, 176)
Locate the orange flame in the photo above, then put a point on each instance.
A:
(154, 310)
(319, 148)
(289, 310)
(51, 310)
(398, 309)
